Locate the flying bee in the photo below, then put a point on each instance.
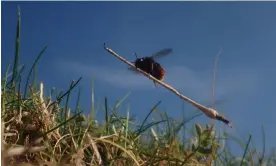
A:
(150, 66)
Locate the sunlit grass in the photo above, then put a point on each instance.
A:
(39, 129)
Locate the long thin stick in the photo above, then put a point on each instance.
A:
(213, 98)
(214, 80)
(210, 112)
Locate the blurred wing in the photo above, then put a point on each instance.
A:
(162, 53)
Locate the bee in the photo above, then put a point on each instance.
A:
(150, 66)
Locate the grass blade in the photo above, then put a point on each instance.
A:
(106, 116)
(32, 68)
(144, 121)
(60, 96)
(17, 49)
(247, 145)
(61, 124)
(66, 104)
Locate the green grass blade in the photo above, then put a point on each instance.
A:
(113, 110)
(263, 153)
(144, 121)
(17, 49)
(78, 101)
(245, 151)
(5, 80)
(106, 117)
(168, 134)
(126, 129)
(19, 96)
(3, 89)
(32, 68)
(61, 124)
(118, 103)
(149, 126)
(66, 104)
(19, 77)
(60, 96)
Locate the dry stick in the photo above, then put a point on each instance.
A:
(213, 97)
(214, 80)
(210, 112)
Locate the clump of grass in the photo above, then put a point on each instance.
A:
(40, 130)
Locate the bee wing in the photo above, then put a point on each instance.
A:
(162, 53)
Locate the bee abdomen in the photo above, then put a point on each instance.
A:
(158, 72)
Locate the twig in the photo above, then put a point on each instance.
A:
(213, 98)
(209, 112)
(214, 78)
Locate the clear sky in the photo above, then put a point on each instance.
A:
(75, 33)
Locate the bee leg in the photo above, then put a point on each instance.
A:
(155, 84)
(152, 73)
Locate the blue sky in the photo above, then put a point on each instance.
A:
(75, 33)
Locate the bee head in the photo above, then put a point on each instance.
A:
(138, 61)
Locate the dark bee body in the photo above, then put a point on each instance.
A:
(150, 66)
